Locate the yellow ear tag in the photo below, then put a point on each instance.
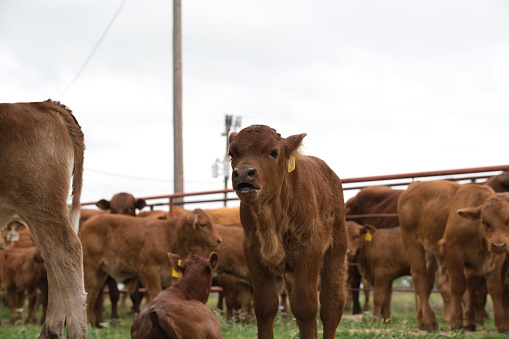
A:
(174, 273)
(367, 237)
(291, 163)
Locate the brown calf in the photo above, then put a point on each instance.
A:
(24, 277)
(16, 235)
(499, 182)
(122, 203)
(293, 215)
(127, 248)
(222, 215)
(180, 311)
(464, 228)
(370, 200)
(41, 147)
(381, 258)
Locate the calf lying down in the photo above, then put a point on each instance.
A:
(180, 310)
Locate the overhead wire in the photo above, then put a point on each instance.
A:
(84, 65)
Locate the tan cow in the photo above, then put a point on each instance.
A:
(41, 148)
(465, 229)
(221, 215)
(293, 214)
(127, 248)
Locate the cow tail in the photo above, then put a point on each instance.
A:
(78, 141)
(161, 323)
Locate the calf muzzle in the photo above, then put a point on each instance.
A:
(498, 247)
(243, 178)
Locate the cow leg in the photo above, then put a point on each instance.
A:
(136, 297)
(333, 278)
(33, 301)
(151, 279)
(99, 309)
(354, 283)
(495, 287)
(114, 297)
(94, 285)
(386, 309)
(458, 285)
(422, 277)
(13, 303)
(473, 283)
(265, 294)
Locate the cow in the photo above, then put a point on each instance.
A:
(24, 276)
(120, 203)
(381, 258)
(499, 182)
(293, 214)
(370, 200)
(153, 214)
(127, 248)
(180, 310)
(41, 147)
(460, 228)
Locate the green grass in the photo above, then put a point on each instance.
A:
(404, 324)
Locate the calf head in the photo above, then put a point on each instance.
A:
(198, 271)
(494, 217)
(260, 159)
(358, 235)
(122, 203)
(199, 229)
(11, 233)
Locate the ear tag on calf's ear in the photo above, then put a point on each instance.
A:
(291, 163)
(367, 237)
(174, 273)
(13, 236)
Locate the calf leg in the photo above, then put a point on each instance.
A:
(114, 297)
(333, 278)
(495, 287)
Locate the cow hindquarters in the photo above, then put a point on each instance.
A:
(332, 284)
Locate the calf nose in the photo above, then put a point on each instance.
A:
(244, 174)
(498, 246)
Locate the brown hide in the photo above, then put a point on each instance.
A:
(499, 182)
(294, 226)
(238, 297)
(41, 149)
(153, 214)
(381, 258)
(180, 311)
(222, 215)
(122, 203)
(24, 277)
(440, 220)
(126, 248)
(374, 200)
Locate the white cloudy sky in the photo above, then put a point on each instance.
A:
(380, 87)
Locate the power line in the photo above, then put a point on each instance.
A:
(94, 49)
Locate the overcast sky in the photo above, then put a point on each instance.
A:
(380, 87)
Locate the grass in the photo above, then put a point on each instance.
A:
(404, 324)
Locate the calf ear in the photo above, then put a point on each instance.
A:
(103, 204)
(192, 218)
(293, 142)
(176, 261)
(140, 203)
(471, 213)
(232, 136)
(213, 259)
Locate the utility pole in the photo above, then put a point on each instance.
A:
(178, 158)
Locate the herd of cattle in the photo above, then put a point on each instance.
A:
(288, 237)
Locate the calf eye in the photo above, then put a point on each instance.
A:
(274, 154)
(203, 225)
(485, 223)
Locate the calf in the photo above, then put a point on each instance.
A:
(41, 150)
(127, 248)
(24, 276)
(381, 258)
(180, 310)
(122, 203)
(499, 182)
(465, 229)
(16, 235)
(222, 215)
(293, 214)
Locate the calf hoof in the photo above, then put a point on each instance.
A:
(115, 323)
(433, 327)
(469, 328)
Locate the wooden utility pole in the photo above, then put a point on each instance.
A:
(178, 158)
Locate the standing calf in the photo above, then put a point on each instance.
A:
(41, 148)
(293, 214)
(180, 310)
